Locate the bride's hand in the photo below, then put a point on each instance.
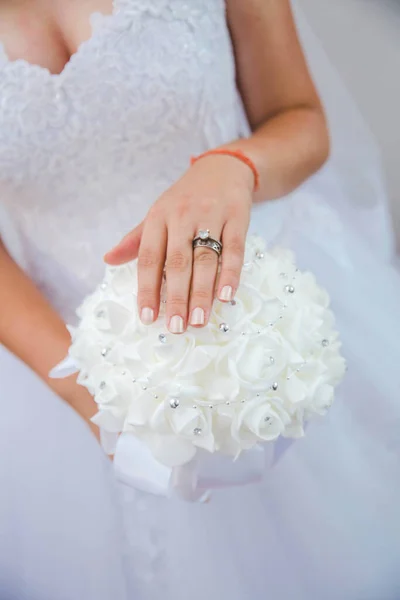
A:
(216, 193)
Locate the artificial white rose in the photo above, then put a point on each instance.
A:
(257, 361)
(266, 419)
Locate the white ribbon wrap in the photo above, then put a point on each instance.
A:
(65, 368)
(136, 466)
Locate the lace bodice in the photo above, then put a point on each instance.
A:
(85, 153)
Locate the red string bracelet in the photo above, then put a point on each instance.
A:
(236, 154)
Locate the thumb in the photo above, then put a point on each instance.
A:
(127, 249)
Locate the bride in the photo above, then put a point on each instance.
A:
(102, 107)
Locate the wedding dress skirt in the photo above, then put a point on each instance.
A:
(82, 157)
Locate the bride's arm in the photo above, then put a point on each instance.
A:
(32, 330)
(289, 143)
(290, 139)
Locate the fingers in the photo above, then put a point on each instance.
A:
(151, 259)
(205, 266)
(178, 273)
(233, 242)
(190, 275)
(127, 249)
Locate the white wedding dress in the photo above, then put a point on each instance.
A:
(83, 155)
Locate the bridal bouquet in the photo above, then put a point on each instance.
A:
(265, 364)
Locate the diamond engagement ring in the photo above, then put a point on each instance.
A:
(203, 240)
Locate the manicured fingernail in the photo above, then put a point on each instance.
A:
(176, 324)
(197, 317)
(147, 315)
(226, 293)
(108, 254)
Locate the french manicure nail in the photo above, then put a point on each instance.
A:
(176, 324)
(147, 315)
(197, 317)
(226, 293)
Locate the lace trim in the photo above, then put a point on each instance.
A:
(169, 10)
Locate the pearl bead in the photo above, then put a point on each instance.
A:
(224, 327)
(102, 385)
(174, 402)
(105, 351)
(325, 343)
(197, 431)
(289, 289)
(267, 419)
(163, 338)
(103, 286)
(100, 314)
(144, 387)
(271, 360)
(259, 255)
(275, 386)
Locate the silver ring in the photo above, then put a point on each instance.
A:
(203, 240)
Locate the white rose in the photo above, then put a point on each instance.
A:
(266, 419)
(255, 362)
(322, 400)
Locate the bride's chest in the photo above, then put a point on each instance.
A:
(152, 66)
(47, 32)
